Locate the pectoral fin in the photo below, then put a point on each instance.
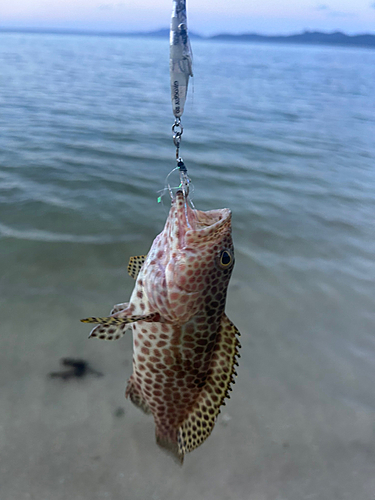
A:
(109, 332)
(113, 327)
(135, 264)
(200, 422)
(120, 319)
(119, 307)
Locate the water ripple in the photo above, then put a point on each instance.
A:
(47, 236)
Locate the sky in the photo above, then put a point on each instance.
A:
(204, 16)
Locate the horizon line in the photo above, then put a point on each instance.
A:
(161, 31)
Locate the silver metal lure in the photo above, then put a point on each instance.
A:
(181, 57)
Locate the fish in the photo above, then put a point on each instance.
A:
(185, 349)
(180, 57)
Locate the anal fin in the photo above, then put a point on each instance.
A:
(200, 422)
(136, 397)
(135, 265)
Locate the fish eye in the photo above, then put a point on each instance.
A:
(225, 259)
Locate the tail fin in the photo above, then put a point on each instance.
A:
(170, 446)
(163, 440)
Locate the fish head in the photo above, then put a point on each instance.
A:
(193, 259)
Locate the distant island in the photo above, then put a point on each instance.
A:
(307, 37)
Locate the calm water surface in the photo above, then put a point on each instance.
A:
(282, 135)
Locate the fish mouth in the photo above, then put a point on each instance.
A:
(197, 223)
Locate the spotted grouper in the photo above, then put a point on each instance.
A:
(185, 347)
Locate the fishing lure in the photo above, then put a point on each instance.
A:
(180, 58)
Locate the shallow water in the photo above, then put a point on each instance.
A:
(283, 136)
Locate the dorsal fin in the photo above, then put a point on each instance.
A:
(135, 264)
(199, 424)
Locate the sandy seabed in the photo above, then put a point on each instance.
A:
(286, 433)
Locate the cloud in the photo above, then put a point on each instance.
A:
(338, 13)
(372, 5)
(325, 9)
(110, 6)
